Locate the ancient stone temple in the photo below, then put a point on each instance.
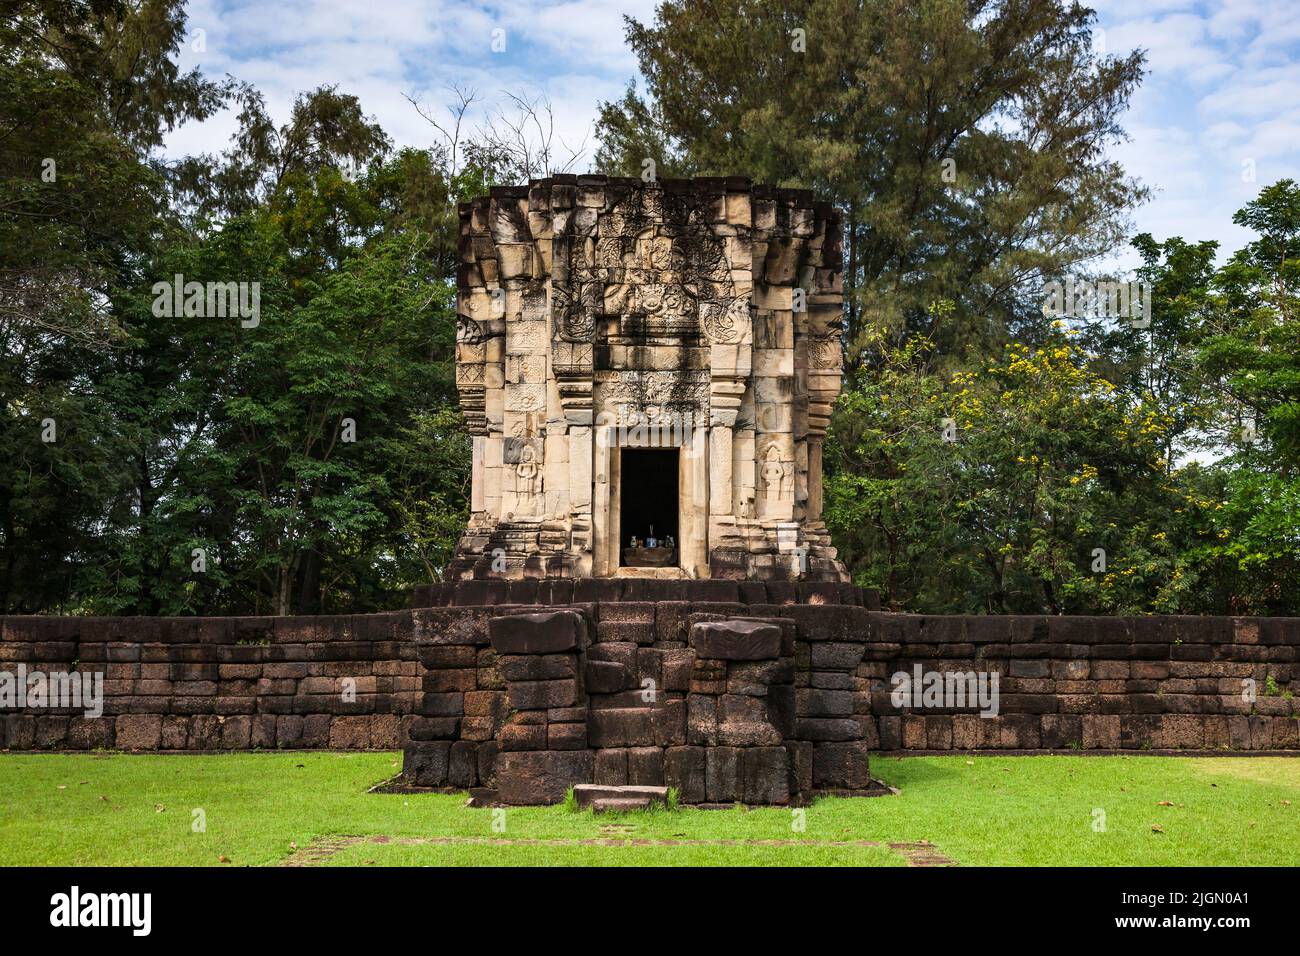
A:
(648, 370)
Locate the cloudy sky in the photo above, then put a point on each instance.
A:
(1217, 117)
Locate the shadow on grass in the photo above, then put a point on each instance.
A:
(904, 772)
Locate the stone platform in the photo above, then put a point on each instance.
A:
(722, 700)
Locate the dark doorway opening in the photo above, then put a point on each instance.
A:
(648, 497)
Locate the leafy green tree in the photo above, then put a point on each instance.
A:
(245, 432)
(199, 464)
(326, 131)
(87, 90)
(1158, 365)
(966, 142)
(1251, 351)
(1028, 484)
(1171, 448)
(1254, 346)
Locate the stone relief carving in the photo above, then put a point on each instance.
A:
(468, 331)
(825, 352)
(641, 389)
(469, 373)
(574, 322)
(726, 321)
(527, 471)
(773, 475)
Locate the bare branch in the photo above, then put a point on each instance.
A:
(464, 98)
(520, 139)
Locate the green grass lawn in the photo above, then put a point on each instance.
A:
(312, 809)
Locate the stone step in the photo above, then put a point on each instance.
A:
(620, 804)
(588, 794)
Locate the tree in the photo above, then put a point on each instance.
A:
(326, 130)
(1158, 365)
(244, 431)
(200, 464)
(966, 142)
(87, 90)
(1027, 484)
(1169, 448)
(1251, 351)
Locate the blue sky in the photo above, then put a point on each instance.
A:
(1220, 105)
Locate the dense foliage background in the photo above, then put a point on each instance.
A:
(200, 464)
(984, 456)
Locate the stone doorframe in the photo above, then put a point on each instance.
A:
(692, 491)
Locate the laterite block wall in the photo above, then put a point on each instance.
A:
(430, 680)
(1094, 683)
(349, 682)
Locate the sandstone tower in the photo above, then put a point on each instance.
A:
(653, 361)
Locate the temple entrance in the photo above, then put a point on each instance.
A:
(648, 508)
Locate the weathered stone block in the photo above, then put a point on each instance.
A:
(736, 640)
(349, 733)
(486, 703)
(288, 731)
(425, 764)
(721, 774)
(528, 667)
(830, 728)
(764, 776)
(938, 732)
(137, 732)
(462, 764)
(434, 728)
(833, 656)
(547, 632)
(539, 695)
(566, 715)
(841, 766)
(621, 727)
(611, 767)
(913, 732)
(1021, 731)
(566, 736)
(890, 731)
(514, 736)
(537, 778)
(606, 677)
(645, 767)
(1062, 731)
(814, 702)
(669, 720)
(263, 733)
(684, 768)
(702, 720)
(967, 734)
(675, 668)
(236, 733)
(743, 722)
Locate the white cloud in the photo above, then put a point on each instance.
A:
(1221, 101)
(1223, 85)
(571, 52)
